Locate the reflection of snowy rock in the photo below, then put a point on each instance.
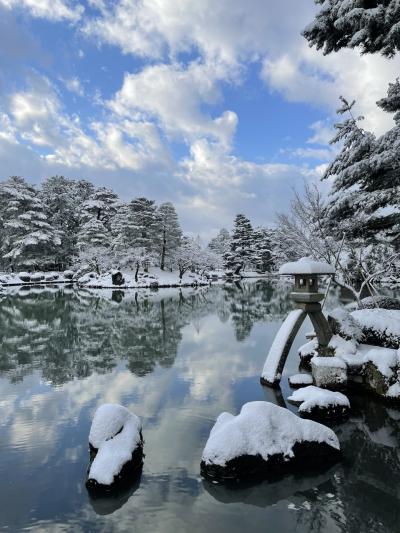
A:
(116, 442)
(266, 440)
(380, 327)
(329, 372)
(300, 380)
(320, 403)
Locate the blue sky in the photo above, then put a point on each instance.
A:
(220, 107)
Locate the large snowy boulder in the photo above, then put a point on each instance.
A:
(116, 446)
(319, 404)
(266, 440)
(380, 327)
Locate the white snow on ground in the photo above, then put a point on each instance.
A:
(381, 320)
(41, 278)
(252, 274)
(306, 265)
(300, 379)
(262, 428)
(270, 369)
(311, 397)
(114, 449)
(385, 359)
(155, 276)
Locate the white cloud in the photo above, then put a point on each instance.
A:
(173, 95)
(54, 10)
(74, 86)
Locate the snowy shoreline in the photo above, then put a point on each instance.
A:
(155, 278)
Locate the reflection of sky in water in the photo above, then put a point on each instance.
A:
(177, 361)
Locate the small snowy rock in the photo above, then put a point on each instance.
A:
(266, 440)
(300, 380)
(329, 372)
(320, 403)
(116, 441)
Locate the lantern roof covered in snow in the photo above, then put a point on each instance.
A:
(306, 266)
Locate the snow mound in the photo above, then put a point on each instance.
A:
(115, 434)
(330, 362)
(264, 430)
(306, 265)
(312, 397)
(300, 380)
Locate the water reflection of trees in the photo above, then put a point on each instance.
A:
(70, 334)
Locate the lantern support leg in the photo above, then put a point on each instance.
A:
(280, 348)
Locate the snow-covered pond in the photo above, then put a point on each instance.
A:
(177, 359)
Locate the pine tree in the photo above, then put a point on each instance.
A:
(262, 250)
(371, 25)
(142, 224)
(27, 238)
(221, 243)
(63, 199)
(365, 200)
(169, 233)
(239, 255)
(102, 205)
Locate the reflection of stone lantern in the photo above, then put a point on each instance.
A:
(307, 301)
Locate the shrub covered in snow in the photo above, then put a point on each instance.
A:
(380, 327)
(116, 445)
(381, 302)
(266, 440)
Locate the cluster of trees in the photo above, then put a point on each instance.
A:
(73, 223)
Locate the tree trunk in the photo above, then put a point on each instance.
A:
(163, 251)
(136, 272)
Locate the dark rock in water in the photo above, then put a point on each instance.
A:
(381, 302)
(116, 448)
(308, 456)
(324, 414)
(107, 502)
(129, 473)
(266, 441)
(320, 404)
(117, 278)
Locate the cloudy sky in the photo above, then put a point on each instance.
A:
(218, 106)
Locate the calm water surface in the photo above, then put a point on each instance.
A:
(177, 359)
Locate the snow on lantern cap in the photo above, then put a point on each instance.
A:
(306, 266)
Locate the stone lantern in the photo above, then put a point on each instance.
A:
(307, 300)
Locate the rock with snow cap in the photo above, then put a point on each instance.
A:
(300, 380)
(116, 446)
(265, 440)
(320, 404)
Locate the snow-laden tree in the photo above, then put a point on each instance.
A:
(365, 198)
(239, 255)
(63, 200)
(168, 232)
(102, 205)
(371, 25)
(27, 238)
(189, 256)
(262, 259)
(220, 244)
(142, 224)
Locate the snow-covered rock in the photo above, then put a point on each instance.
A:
(68, 274)
(329, 372)
(117, 446)
(381, 372)
(300, 380)
(342, 323)
(306, 265)
(307, 351)
(24, 276)
(320, 403)
(266, 440)
(380, 327)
